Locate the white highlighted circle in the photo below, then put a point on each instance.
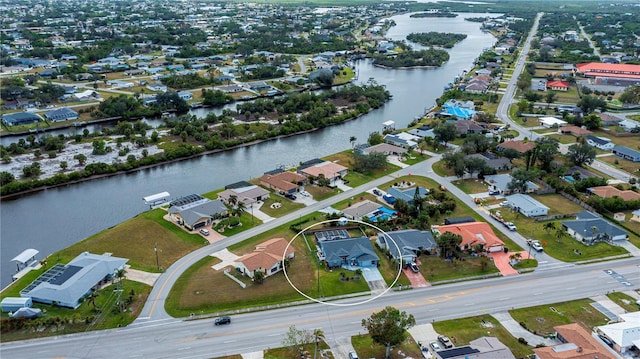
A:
(341, 220)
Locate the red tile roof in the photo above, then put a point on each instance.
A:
(610, 191)
(609, 70)
(266, 254)
(473, 233)
(284, 181)
(558, 84)
(585, 346)
(519, 146)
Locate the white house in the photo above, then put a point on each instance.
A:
(526, 205)
(549, 122)
(628, 125)
(156, 86)
(602, 143)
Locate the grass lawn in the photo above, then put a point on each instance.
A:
(320, 193)
(563, 249)
(625, 301)
(441, 169)
(136, 239)
(462, 331)
(632, 226)
(541, 319)
(278, 353)
(415, 157)
(526, 263)
(435, 269)
(566, 139)
(389, 270)
(286, 206)
(625, 165)
(84, 318)
(355, 179)
(470, 186)
(366, 348)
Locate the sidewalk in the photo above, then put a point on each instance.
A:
(519, 332)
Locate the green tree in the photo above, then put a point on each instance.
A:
(352, 140)
(549, 226)
(82, 159)
(295, 338)
(64, 165)
(375, 138)
(388, 327)
(448, 244)
(519, 179)
(550, 98)
(631, 95)
(581, 154)
(592, 121)
(258, 276)
(445, 132)
(6, 177)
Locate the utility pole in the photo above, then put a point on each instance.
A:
(155, 249)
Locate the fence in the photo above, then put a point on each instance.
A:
(226, 272)
(579, 202)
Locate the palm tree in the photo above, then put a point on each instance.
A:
(549, 226)
(318, 334)
(120, 275)
(560, 233)
(353, 139)
(594, 230)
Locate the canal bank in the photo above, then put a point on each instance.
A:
(69, 214)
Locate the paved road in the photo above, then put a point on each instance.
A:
(172, 338)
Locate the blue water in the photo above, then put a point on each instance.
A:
(569, 179)
(383, 214)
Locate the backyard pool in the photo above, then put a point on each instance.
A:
(569, 179)
(383, 214)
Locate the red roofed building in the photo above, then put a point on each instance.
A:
(519, 146)
(558, 85)
(268, 257)
(599, 69)
(473, 234)
(577, 343)
(285, 182)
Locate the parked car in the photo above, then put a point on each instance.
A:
(511, 226)
(353, 355)
(535, 244)
(494, 193)
(291, 196)
(222, 320)
(204, 231)
(446, 342)
(504, 203)
(377, 192)
(435, 346)
(414, 267)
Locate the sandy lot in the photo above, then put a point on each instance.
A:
(51, 166)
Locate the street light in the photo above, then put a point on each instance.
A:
(155, 249)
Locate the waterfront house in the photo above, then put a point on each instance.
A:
(283, 182)
(61, 114)
(20, 118)
(194, 211)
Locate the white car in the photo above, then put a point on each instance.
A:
(511, 226)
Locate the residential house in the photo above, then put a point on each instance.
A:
(558, 85)
(602, 143)
(230, 88)
(329, 170)
(635, 215)
(409, 242)
(569, 109)
(458, 220)
(629, 125)
(606, 70)
(500, 183)
(422, 132)
(195, 211)
(526, 205)
(360, 209)
(610, 191)
(185, 95)
(589, 228)
(576, 342)
(575, 131)
(247, 195)
(258, 86)
(61, 114)
(608, 120)
(66, 285)
(481, 348)
(624, 335)
(20, 118)
(473, 234)
(402, 139)
(156, 86)
(496, 162)
(86, 95)
(465, 127)
(518, 145)
(460, 113)
(348, 253)
(283, 182)
(385, 149)
(268, 257)
(626, 153)
(550, 122)
(408, 194)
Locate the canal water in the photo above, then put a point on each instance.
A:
(53, 219)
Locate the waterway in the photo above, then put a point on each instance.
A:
(54, 219)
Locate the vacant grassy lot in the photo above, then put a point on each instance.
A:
(356, 179)
(320, 193)
(84, 318)
(557, 204)
(441, 169)
(366, 348)
(566, 139)
(279, 353)
(541, 319)
(435, 269)
(625, 301)
(471, 185)
(462, 331)
(285, 206)
(632, 226)
(136, 239)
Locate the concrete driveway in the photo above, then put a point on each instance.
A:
(227, 258)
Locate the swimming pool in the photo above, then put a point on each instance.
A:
(569, 179)
(383, 213)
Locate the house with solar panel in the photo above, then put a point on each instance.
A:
(66, 285)
(194, 211)
(337, 249)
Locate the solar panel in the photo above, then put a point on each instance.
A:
(67, 273)
(47, 276)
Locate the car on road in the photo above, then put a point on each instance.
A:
(377, 192)
(204, 231)
(414, 267)
(446, 342)
(434, 346)
(353, 355)
(222, 320)
(535, 244)
(511, 226)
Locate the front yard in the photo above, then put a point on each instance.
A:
(366, 348)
